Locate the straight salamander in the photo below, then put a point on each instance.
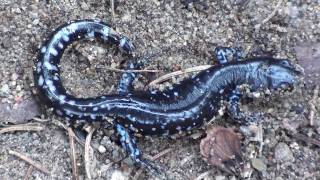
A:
(183, 107)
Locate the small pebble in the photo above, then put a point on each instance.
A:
(118, 175)
(126, 18)
(102, 149)
(283, 153)
(5, 90)
(35, 22)
(256, 94)
(220, 178)
(279, 178)
(258, 164)
(298, 109)
(14, 76)
(270, 110)
(196, 135)
(116, 155)
(128, 161)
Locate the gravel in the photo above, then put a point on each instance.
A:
(185, 34)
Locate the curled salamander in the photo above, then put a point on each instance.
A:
(182, 107)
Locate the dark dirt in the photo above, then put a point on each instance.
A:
(186, 35)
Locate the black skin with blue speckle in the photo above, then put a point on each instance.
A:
(185, 106)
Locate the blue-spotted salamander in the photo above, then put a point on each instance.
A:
(182, 107)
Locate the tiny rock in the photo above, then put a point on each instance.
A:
(220, 178)
(102, 149)
(258, 164)
(118, 175)
(283, 153)
(5, 90)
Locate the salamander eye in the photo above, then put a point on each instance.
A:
(285, 63)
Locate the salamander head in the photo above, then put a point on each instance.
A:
(277, 73)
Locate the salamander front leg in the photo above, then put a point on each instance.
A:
(227, 54)
(129, 144)
(236, 114)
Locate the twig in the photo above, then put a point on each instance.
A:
(257, 26)
(73, 155)
(23, 127)
(40, 120)
(112, 9)
(203, 175)
(29, 172)
(30, 161)
(71, 132)
(260, 138)
(136, 176)
(87, 151)
(64, 126)
(312, 105)
(306, 139)
(177, 73)
(162, 153)
(111, 89)
(133, 70)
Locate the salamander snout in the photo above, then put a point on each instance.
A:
(278, 73)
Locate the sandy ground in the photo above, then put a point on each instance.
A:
(190, 32)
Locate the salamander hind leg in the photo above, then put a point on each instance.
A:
(128, 142)
(126, 81)
(227, 54)
(127, 78)
(236, 114)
